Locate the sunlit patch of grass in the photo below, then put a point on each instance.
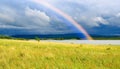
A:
(17, 54)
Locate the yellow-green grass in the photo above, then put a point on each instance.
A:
(17, 54)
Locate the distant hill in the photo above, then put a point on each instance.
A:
(51, 36)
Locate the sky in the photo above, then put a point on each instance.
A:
(101, 17)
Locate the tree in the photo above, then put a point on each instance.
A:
(37, 38)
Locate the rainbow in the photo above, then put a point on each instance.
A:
(67, 17)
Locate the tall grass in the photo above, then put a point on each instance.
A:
(16, 54)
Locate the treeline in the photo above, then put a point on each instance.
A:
(107, 38)
(5, 37)
(9, 37)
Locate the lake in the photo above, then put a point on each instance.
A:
(115, 42)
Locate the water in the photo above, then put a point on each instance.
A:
(113, 42)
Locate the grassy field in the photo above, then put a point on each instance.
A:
(16, 54)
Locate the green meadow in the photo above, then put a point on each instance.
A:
(22, 54)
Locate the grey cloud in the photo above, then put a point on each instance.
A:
(87, 10)
(37, 17)
(6, 18)
(114, 21)
(24, 18)
(7, 15)
(100, 20)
